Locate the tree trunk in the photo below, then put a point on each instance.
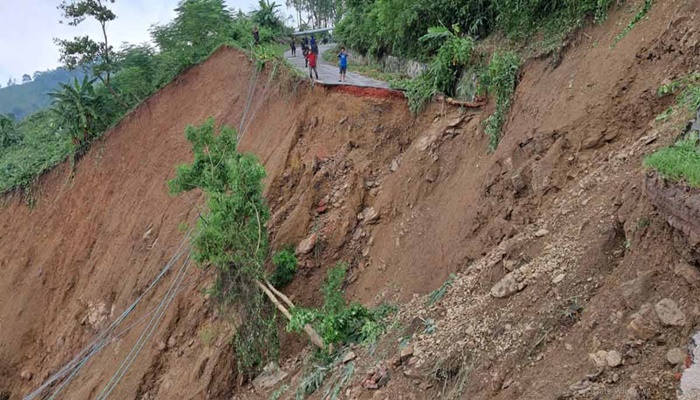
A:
(114, 93)
(310, 332)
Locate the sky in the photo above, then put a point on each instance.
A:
(28, 27)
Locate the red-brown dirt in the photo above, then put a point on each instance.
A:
(562, 195)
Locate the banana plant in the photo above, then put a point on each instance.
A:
(76, 109)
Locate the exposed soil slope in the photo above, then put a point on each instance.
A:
(557, 214)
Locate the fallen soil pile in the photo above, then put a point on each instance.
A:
(570, 283)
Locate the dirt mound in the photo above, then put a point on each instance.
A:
(560, 255)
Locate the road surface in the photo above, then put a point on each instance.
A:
(330, 73)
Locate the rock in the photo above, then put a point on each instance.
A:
(541, 232)
(171, 342)
(509, 264)
(558, 278)
(644, 323)
(669, 313)
(687, 272)
(161, 345)
(271, 376)
(349, 357)
(425, 386)
(675, 356)
(599, 358)
(505, 287)
(406, 353)
(613, 358)
(343, 120)
(26, 375)
(632, 393)
(569, 347)
(306, 245)
(635, 291)
(376, 378)
(370, 215)
(394, 165)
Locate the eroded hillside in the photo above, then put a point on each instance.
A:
(558, 250)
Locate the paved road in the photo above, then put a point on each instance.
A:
(329, 73)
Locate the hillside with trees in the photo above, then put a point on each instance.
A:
(19, 100)
(195, 218)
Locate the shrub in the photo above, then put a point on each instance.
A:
(454, 54)
(336, 321)
(285, 263)
(500, 80)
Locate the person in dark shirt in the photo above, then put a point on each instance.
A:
(293, 45)
(256, 35)
(305, 53)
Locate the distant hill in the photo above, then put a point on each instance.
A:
(23, 99)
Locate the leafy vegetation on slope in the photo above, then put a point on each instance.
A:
(680, 162)
(499, 80)
(285, 263)
(395, 26)
(336, 321)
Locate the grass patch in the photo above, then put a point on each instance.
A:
(679, 162)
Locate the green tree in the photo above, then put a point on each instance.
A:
(9, 134)
(199, 27)
(267, 15)
(83, 51)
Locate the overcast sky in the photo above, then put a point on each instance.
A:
(27, 29)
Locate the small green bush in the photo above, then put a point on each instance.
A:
(500, 80)
(453, 55)
(336, 321)
(285, 263)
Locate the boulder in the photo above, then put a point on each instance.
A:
(635, 291)
(669, 313)
(688, 272)
(644, 324)
(308, 244)
(271, 376)
(505, 287)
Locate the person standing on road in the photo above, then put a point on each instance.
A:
(311, 58)
(343, 63)
(305, 53)
(293, 45)
(314, 45)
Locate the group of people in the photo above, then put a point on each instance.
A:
(309, 49)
